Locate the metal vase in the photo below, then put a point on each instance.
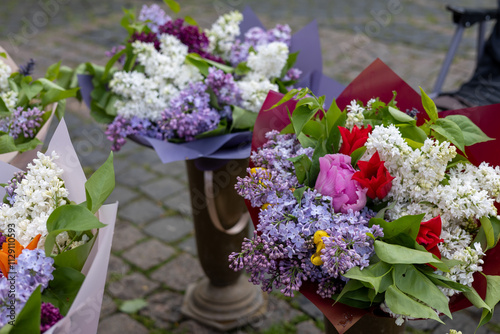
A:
(369, 324)
(224, 299)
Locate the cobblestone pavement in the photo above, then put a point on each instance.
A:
(154, 254)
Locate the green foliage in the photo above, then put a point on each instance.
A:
(133, 305)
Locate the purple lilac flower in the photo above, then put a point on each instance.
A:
(223, 86)
(256, 36)
(2, 239)
(149, 37)
(121, 127)
(156, 16)
(33, 269)
(24, 122)
(189, 114)
(280, 33)
(50, 315)
(196, 40)
(114, 50)
(28, 68)
(292, 74)
(239, 52)
(10, 188)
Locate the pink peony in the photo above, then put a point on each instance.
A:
(335, 180)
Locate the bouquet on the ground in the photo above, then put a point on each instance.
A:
(54, 247)
(27, 106)
(365, 208)
(179, 83)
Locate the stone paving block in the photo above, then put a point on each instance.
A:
(179, 273)
(192, 326)
(148, 254)
(307, 327)
(120, 324)
(164, 308)
(117, 266)
(132, 286)
(159, 189)
(134, 176)
(181, 202)
(189, 246)
(125, 236)
(121, 194)
(108, 306)
(277, 311)
(140, 212)
(170, 228)
(308, 307)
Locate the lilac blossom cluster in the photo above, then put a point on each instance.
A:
(257, 36)
(33, 269)
(10, 188)
(22, 122)
(223, 86)
(189, 114)
(154, 16)
(279, 254)
(49, 316)
(122, 127)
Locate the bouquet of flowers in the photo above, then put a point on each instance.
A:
(27, 107)
(179, 83)
(367, 207)
(53, 255)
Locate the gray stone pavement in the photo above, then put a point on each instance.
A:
(154, 253)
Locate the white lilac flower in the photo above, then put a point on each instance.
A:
(37, 195)
(269, 59)
(254, 91)
(223, 33)
(10, 99)
(354, 115)
(5, 72)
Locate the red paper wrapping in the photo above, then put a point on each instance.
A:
(378, 80)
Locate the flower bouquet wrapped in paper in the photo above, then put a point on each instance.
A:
(373, 204)
(55, 236)
(27, 107)
(192, 93)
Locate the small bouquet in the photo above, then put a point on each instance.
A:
(27, 107)
(178, 83)
(373, 206)
(53, 256)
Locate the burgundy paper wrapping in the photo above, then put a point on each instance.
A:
(378, 80)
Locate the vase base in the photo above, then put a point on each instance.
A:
(224, 308)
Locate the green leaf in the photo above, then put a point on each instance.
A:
(3, 54)
(412, 132)
(54, 95)
(197, 58)
(351, 285)
(396, 254)
(471, 132)
(300, 116)
(413, 144)
(450, 131)
(298, 193)
(189, 20)
(69, 218)
(111, 62)
(429, 106)
(28, 320)
(63, 289)
(133, 305)
(456, 160)
(357, 154)
(314, 129)
(400, 303)
(445, 282)
(400, 116)
(31, 90)
(492, 298)
(332, 115)
(302, 165)
(287, 97)
(319, 151)
(7, 144)
(53, 71)
(75, 258)
(476, 299)
(414, 283)
(243, 119)
(489, 232)
(375, 275)
(242, 68)
(409, 225)
(173, 5)
(60, 109)
(100, 185)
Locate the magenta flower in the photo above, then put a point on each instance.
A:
(335, 180)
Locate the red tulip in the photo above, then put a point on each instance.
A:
(352, 140)
(428, 235)
(374, 176)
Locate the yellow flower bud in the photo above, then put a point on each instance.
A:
(318, 241)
